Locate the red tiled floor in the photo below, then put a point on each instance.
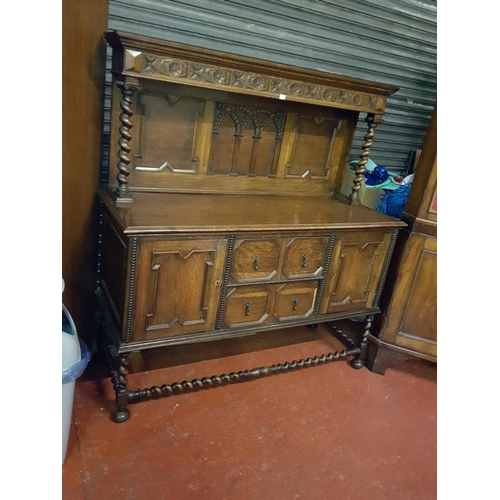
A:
(328, 432)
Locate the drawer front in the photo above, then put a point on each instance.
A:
(295, 300)
(255, 260)
(304, 257)
(246, 306)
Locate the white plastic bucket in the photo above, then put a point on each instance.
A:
(75, 357)
(71, 354)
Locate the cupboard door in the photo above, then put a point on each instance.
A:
(178, 287)
(356, 265)
(411, 319)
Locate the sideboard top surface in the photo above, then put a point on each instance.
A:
(157, 213)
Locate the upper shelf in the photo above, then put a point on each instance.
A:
(187, 119)
(154, 59)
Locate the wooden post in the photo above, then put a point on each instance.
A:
(128, 89)
(372, 120)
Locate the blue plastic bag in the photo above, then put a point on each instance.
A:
(377, 176)
(76, 370)
(393, 202)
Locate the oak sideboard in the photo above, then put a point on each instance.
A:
(221, 213)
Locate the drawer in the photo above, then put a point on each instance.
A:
(295, 300)
(248, 305)
(304, 257)
(255, 259)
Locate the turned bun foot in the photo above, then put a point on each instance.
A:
(357, 364)
(120, 415)
(312, 327)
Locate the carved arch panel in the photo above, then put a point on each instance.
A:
(245, 140)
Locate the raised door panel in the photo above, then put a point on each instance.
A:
(310, 141)
(248, 306)
(356, 265)
(165, 133)
(178, 287)
(304, 257)
(418, 324)
(255, 260)
(295, 300)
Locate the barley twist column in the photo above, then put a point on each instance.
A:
(373, 121)
(119, 380)
(359, 361)
(122, 191)
(167, 390)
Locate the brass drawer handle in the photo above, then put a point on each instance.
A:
(304, 260)
(295, 301)
(247, 309)
(255, 261)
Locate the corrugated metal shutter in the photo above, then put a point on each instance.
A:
(388, 41)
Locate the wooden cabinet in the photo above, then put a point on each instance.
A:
(408, 326)
(222, 215)
(416, 288)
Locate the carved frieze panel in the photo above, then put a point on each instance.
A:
(219, 77)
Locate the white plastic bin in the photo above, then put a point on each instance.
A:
(75, 357)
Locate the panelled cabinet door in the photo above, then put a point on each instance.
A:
(411, 321)
(356, 265)
(178, 287)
